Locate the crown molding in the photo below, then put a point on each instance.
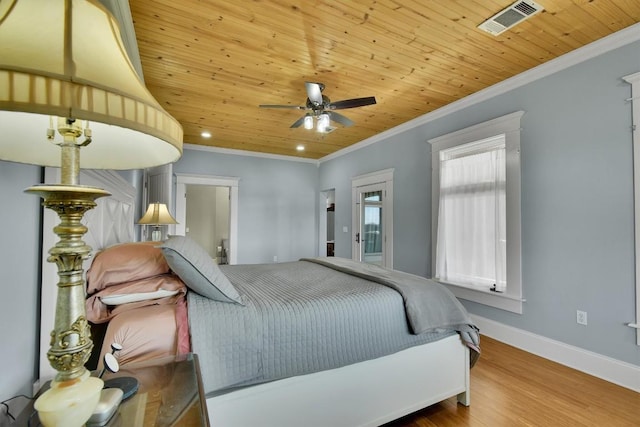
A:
(613, 41)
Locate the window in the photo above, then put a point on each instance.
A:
(471, 235)
(476, 212)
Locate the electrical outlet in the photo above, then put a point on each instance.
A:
(581, 317)
(275, 258)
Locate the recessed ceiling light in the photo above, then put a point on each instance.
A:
(300, 147)
(206, 134)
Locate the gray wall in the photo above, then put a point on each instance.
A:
(409, 156)
(577, 200)
(20, 266)
(277, 203)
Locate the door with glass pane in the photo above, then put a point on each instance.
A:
(371, 233)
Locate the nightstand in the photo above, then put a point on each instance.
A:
(169, 394)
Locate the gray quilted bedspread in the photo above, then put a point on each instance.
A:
(297, 318)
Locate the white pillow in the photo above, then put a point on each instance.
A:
(141, 296)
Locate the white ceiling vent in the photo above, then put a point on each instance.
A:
(507, 18)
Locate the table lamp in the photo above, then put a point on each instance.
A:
(63, 67)
(157, 215)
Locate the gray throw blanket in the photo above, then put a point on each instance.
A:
(417, 293)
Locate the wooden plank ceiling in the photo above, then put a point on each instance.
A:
(211, 63)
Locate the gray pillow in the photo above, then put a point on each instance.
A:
(197, 270)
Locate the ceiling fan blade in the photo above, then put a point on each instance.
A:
(294, 107)
(314, 92)
(352, 103)
(344, 121)
(298, 122)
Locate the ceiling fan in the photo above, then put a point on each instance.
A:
(321, 107)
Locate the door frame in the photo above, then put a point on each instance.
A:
(380, 177)
(322, 224)
(182, 180)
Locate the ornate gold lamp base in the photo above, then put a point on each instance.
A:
(59, 72)
(74, 393)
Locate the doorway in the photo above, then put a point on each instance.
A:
(207, 219)
(207, 212)
(330, 222)
(326, 220)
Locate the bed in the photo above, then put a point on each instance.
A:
(316, 342)
(366, 393)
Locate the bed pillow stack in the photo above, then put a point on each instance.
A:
(128, 276)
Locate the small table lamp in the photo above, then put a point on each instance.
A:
(63, 64)
(157, 215)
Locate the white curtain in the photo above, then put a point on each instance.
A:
(471, 240)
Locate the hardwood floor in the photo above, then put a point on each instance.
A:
(510, 387)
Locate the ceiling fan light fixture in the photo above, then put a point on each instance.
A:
(308, 122)
(324, 122)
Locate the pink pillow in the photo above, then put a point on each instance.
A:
(99, 312)
(182, 323)
(125, 262)
(145, 333)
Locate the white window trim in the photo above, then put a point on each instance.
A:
(634, 81)
(509, 125)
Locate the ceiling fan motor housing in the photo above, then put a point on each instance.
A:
(317, 108)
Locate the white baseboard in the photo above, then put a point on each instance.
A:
(609, 369)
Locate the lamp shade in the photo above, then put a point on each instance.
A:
(66, 58)
(157, 214)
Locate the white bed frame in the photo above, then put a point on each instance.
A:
(369, 393)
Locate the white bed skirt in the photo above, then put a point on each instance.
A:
(369, 393)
